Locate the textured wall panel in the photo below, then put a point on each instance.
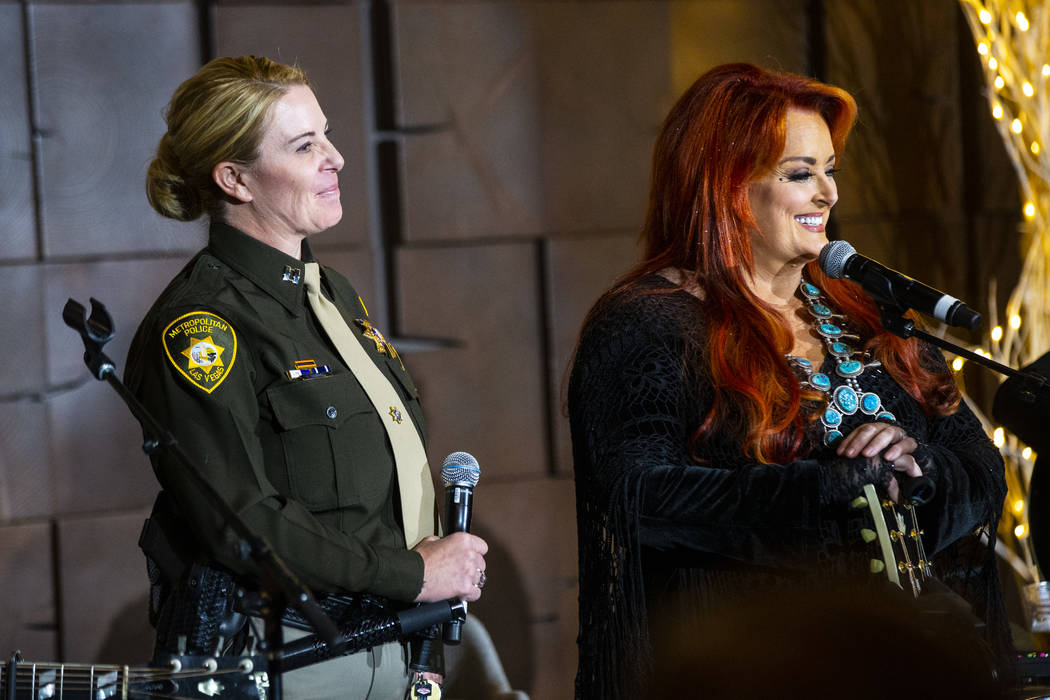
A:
(27, 474)
(104, 590)
(356, 266)
(106, 73)
(324, 41)
(23, 364)
(705, 33)
(470, 69)
(17, 216)
(487, 396)
(579, 270)
(26, 579)
(532, 571)
(604, 76)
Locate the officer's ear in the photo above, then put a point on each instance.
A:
(230, 177)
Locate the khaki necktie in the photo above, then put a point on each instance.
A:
(413, 473)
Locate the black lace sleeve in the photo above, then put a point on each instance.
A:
(633, 412)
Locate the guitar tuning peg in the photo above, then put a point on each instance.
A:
(867, 535)
(877, 566)
(858, 503)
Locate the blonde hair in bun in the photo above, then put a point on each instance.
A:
(217, 115)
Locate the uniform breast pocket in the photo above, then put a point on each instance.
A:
(334, 444)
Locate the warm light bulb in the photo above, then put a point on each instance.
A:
(957, 363)
(1022, 22)
(1029, 210)
(997, 111)
(1019, 505)
(1020, 531)
(1027, 89)
(992, 63)
(1015, 320)
(997, 334)
(1046, 70)
(985, 16)
(1026, 453)
(1035, 148)
(982, 48)
(999, 82)
(999, 437)
(1015, 126)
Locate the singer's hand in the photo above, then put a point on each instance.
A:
(450, 567)
(889, 442)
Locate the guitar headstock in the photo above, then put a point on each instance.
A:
(901, 552)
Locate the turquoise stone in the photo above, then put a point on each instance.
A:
(850, 368)
(831, 437)
(820, 311)
(870, 403)
(841, 350)
(810, 290)
(846, 398)
(886, 416)
(829, 330)
(802, 362)
(831, 417)
(820, 381)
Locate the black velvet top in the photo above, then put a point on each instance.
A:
(659, 529)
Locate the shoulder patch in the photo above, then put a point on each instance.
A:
(202, 347)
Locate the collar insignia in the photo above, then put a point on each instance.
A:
(395, 415)
(292, 274)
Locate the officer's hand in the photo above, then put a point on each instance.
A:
(453, 567)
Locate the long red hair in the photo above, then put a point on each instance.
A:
(726, 131)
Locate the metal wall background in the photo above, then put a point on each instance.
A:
(497, 163)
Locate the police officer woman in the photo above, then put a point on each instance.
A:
(266, 367)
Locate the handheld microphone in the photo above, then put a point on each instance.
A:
(460, 472)
(838, 259)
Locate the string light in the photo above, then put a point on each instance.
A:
(986, 16)
(1019, 506)
(997, 111)
(992, 63)
(1046, 70)
(997, 334)
(1029, 210)
(1035, 148)
(1027, 89)
(1022, 22)
(1015, 126)
(1015, 320)
(982, 48)
(999, 82)
(1026, 453)
(957, 364)
(999, 437)
(1020, 531)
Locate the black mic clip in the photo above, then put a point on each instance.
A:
(95, 330)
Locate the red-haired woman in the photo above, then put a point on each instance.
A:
(728, 401)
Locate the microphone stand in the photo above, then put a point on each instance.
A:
(279, 587)
(893, 320)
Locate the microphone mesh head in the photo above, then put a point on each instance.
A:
(460, 469)
(833, 258)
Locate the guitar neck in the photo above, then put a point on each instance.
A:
(20, 680)
(184, 677)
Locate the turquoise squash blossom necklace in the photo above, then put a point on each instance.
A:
(847, 398)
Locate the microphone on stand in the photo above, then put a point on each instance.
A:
(838, 259)
(460, 472)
